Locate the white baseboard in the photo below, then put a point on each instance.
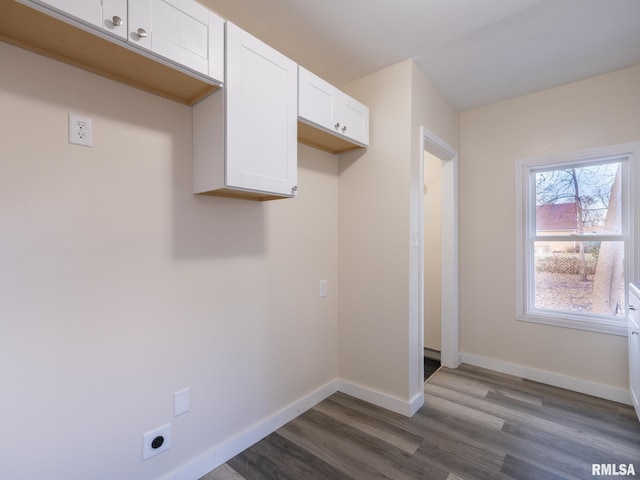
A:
(216, 456)
(570, 383)
(382, 399)
(416, 403)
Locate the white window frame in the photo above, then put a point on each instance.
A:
(525, 212)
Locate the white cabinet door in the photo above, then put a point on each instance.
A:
(261, 116)
(107, 15)
(182, 31)
(316, 99)
(354, 118)
(634, 351)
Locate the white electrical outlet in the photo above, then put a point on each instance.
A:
(156, 441)
(80, 130)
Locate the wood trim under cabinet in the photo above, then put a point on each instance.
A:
(243, 194)
(328, 142)
(32, 30)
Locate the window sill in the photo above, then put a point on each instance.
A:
(610, 327)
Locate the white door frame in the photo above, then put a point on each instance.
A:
(431, 143)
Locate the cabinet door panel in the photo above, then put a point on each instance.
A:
(98, 13)
(315, 100)
(175, 29)
(261, 104)
(110, 10)
(140, 18)
(89, 11)
(355, 120)
(216, 47)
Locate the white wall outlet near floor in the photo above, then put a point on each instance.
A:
(181, 402)
(156, 441)
(80, 130)
(323, 288)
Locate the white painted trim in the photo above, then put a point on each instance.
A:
(383, 400)
(433, 144)
(216, 456)
(436, 146)
(450, 256)
(416, 403)
(555, 379)
(221, 453)
(524, 311)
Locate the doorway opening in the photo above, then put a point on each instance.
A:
(432, 246)
(438, 253)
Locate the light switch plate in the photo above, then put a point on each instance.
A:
(323, 288)
(181, 402)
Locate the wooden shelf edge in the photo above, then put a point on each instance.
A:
(323, 140)
(244, 194)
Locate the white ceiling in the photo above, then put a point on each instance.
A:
(476, 51)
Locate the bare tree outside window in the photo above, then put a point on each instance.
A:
(573, 272)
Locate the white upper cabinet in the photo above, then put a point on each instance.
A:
(182, 31)
(261, 108)
(179, 33)
(323, 106)
(245, 136)
(107, 15)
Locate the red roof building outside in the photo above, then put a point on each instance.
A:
(560, 217)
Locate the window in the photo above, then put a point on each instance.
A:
(575, 232)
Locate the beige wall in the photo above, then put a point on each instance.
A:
(118, 287)
(373, 226)
(430, 110)
(597, 112)
(380, 342)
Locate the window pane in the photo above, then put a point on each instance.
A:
(580, 277)
(579, 200)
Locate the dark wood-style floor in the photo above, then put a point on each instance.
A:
(475, 424)
(431, 366)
